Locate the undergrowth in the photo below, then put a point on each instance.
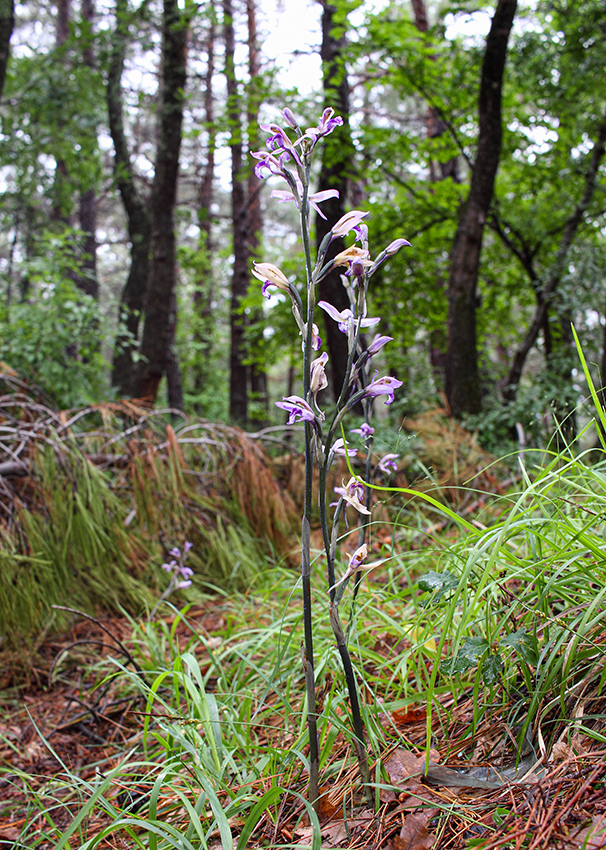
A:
(503, 613)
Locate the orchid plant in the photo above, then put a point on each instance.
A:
(289, 156)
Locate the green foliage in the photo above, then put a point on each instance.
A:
(54, 341)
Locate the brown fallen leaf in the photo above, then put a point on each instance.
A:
(402, 764)
(414, 835)
(592, 837)
(404, 716)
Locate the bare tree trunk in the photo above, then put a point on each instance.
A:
(139, 225)
(160, 315)
(258, 375)
(203, 326)
(238, 372)
(61, 188)
(87, 212)
(7, 22)
(462, 375)
(436, 127)
(335, 173)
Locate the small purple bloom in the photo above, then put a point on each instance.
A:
(353, 493)
(186, 572)
(345, 318)
(289, 117)
(183, 584)
(170, 567)
(377, 344)
(318, 379)
(187, 546)
(365, 430)
(383, 386)
(327, 125)
(297, 408)
(175, 553)
(348, 222)
(387, 463)
(341, 449)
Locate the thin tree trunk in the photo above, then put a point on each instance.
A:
(238, 372)
(335, 173)
(61, 188)
(7, 22)
(132, 298)
(160, 315)
(203, 326)
(555, 276)
(258, 375)
(462, 374)
(436, 127)
(87, 212)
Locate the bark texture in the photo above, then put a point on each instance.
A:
(7, 22)
(132, 299)
(160, 314)
(238, 372)
(462, 374)
(335, 173)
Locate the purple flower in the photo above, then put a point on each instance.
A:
(341, 449)
(377, 344)
(175, 553)
(356, 559)
(365, 430)
(327, 125)
(391, 249)
(271, 276)
(187, 547)
(186, 572)
(297, 408)
(348, 222)
(345, 318)
(318, 380)
(316, 339)
(183, 584)
(387, 463)
(171, 566)
(382, 386)
(283, 195)
(353, 493)
(267, 161)
(289, 117)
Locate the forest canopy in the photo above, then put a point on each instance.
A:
(132, 213)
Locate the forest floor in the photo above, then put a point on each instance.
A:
(62, 722)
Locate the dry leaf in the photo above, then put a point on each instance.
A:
(404, 716)
(414, 835)
(592, 837)
(402, 764)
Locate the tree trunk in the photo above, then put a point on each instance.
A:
(258, 375)
(203, 326)
(87, 279)
(335, 173)
(7, 22)
(139, 225)
(462, 375)
(158, 331)
(238, 372)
